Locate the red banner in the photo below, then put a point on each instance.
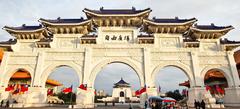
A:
(83, 87)
(67, 90)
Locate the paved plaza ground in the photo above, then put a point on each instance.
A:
(124, 106)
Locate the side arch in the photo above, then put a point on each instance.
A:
(226, 72)
(179, 65)
(96, 69)
(11, 70)
(47, 71)
(236, 49)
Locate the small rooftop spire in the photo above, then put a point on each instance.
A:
(133, 8)
(23, 25)
(59, 18)
(101, 8)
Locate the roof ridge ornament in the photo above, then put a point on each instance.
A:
(59, 18)
(101, 8)
(133, 8)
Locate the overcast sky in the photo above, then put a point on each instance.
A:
(219, 12)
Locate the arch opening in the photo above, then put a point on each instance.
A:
(237, 60)
(62, 83)
(216, 82)
(172, 81)
(116, 82)
(18, 84)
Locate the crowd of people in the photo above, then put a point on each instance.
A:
(199, 105)
(6, 104)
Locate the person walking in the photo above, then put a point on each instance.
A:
(146, 104)
(130, 106)
(2, 103)
(195, 104)
(203, 104)
(7, 104)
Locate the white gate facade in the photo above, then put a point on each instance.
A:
(125, 36)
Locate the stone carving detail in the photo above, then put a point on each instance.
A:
(213, 60)
(169, 42)
(210, 46)
(170, 56)
(22, 60)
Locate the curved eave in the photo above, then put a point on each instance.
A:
(53, 82)
(9, 29)
(169, 24)
(230, 47)
(63, 24)
(87, 11)
(212, 30)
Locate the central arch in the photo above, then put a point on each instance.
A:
(104, 63)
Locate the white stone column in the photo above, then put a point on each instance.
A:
(233, 68)
(232, 93)
(85, 98)
(3, 93)
(3, 67)
(146, 68)
(199, 81)
(87, 66)
(232, 96)
(36, 82)
(195, 93)
(35, 97)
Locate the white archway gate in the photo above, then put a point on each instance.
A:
(159, 43)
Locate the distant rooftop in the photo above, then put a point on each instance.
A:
(117, 11)
(60, 20)
(211, 27)
(121, 83)
(24, 27)
(173, 20)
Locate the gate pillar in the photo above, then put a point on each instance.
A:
(3, 94)
(85, 98)
(231, 97)
(35, 97)
(195, 93)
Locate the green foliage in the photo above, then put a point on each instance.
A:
(67, 97)
(175, 94)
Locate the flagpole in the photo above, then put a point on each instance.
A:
(71, 98)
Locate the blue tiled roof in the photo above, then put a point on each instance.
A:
(211, 27)
(10, 41)
(117, 11)
(59, 20)
(25, 27)
(174, 20)
(226, 41)
(121, 82)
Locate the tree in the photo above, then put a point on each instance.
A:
(175, 94)
(66, 97)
